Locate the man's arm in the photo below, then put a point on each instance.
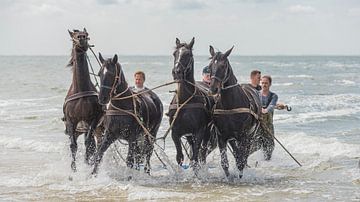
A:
(272, 104)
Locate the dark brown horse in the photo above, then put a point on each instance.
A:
(194, 118)
(126, 111)
(81, 105)
(236, 114)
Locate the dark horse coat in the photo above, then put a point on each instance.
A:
(236, 114)
(126, 114)
(81, 105)
(193, 119)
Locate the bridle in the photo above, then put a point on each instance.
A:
(117, 75)
(225, 79)
(187, 67)
(76, 41)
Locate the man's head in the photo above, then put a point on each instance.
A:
(206, 74)
(255, 77)
(139, 79)
(266, 82)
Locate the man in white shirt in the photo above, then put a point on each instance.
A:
(139, 77)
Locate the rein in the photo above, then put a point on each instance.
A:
(235, 110)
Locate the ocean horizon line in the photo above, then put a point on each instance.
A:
(162, 55)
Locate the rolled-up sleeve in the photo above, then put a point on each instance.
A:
(272, 104)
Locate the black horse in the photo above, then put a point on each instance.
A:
(126, 111)
(194, 117)
(81, 105)
(236, 113)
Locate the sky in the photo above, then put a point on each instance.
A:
(150, 27)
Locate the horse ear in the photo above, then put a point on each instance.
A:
(177, 43)
(191, 44)
(101, 58)
(228, 52)
(212, 52)
(115, 59)
(71, 33)
(85, 30)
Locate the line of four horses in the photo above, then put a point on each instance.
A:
(228, 114)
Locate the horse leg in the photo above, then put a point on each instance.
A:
(149, 148)
(224, 160)
(132, 151)
(108, 140)
(241, 149)
(198, 137)
(179, 154)
(90, 143)
(237, 155)
(268, 147)
(203, 151)
(70, 130)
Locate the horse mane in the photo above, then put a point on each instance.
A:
(72, 58)
(183, 45)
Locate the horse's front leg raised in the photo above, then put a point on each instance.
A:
(224, 158)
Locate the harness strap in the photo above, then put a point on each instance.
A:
(235, 111)
(80, 95)
(188, 106)
(118, 113)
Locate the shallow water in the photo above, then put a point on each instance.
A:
(322, 132)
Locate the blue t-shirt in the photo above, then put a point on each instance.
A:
(269, 102)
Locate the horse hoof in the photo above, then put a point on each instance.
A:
(93, 174)
(73, 167)
(70, 178)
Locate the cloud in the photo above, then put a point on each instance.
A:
(354, 12)
(187, 5)
(300, 9)
(112, 2)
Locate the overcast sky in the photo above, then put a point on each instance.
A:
(149, 27)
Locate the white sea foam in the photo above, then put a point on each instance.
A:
(300, 76)
(11, 142)
(346, 82)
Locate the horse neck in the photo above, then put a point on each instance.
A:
(81, 77)
(232, 97)
(124, 90)
(186, 87)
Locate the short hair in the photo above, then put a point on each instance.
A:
(140, 73)
(254, 73)
(268, 77)
(206, 70)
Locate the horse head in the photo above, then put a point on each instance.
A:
(110, 76)
(80, 40)
(219, 70)
(183, 60)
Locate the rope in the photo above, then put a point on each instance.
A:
(145, 91)
(92, 71)
(272, 134)
(175, 116)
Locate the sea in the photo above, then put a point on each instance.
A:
(322, 132)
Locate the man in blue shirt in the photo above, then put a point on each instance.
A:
(268, 101)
